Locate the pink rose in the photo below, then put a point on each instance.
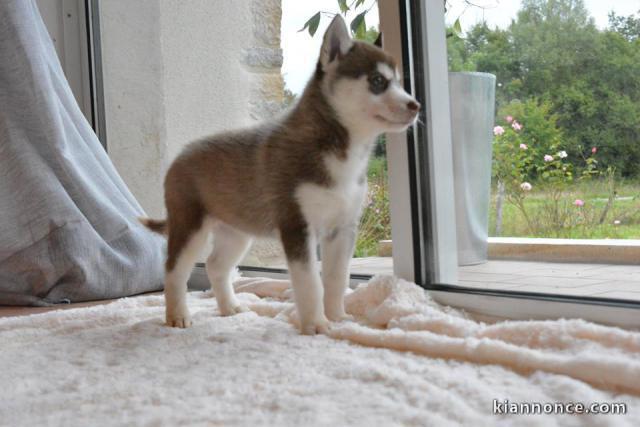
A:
(523, 146)
(579, 203)
(548, 158)
(525, 186)
(509, 119)
(498, 130)
(516, 126)
(594, 150)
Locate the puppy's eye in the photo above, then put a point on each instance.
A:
(378, 83)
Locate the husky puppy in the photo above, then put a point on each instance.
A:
(302, 178)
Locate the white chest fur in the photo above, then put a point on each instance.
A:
(326, 208)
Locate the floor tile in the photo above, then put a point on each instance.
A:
(503, 267)
(486, 285)
(613, 285)
(634, 296)
(587, 273)
(613, 274)
(562, 282)
(486, 277)
(555, 290)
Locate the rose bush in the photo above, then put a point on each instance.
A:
(528, 155)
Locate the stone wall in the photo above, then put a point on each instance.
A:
(264, 59)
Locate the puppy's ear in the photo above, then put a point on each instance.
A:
(379, 40)
(336, 41)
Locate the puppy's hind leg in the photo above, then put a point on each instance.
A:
(229, 246)
(187, 237)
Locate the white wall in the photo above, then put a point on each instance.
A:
(133, 73)
(175, 71)
(206, 86)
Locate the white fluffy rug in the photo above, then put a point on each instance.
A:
(406, 361)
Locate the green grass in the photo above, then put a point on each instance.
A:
(626, 209)
(377, 166)
(375, 224)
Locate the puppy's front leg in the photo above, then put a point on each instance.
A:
(299, 246)
(337, 250)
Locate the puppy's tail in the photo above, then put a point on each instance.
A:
(156, 225)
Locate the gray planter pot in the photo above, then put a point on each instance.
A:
(472, 100)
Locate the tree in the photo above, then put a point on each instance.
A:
(590, 79)
(628, 27)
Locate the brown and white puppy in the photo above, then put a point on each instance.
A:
(302, 178)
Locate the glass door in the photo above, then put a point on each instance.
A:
(534, 153)
(562, 207)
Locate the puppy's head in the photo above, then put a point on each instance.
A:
(361, 82)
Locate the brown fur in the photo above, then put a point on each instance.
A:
(155, 225)
(364, 57)
(247, 178)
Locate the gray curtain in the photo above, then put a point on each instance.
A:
(68, 228)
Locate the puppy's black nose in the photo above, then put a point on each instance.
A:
(413, 105)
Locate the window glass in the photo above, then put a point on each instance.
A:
(548, 195)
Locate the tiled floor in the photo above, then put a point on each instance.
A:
(601, 280)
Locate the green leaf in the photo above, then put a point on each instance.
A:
(312, 24)
(343, 6)
(457, 28)
(359, 26)
(359, 2)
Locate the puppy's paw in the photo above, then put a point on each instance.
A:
(320, 326)
(181, 319)
(231, 309)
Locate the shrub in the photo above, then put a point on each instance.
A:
(375, 223)
(527, 152)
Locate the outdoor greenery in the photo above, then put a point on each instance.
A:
(590, 78)
(622, 220)
(375, 224)
(566, 152)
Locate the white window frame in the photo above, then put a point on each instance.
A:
(406, 231)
